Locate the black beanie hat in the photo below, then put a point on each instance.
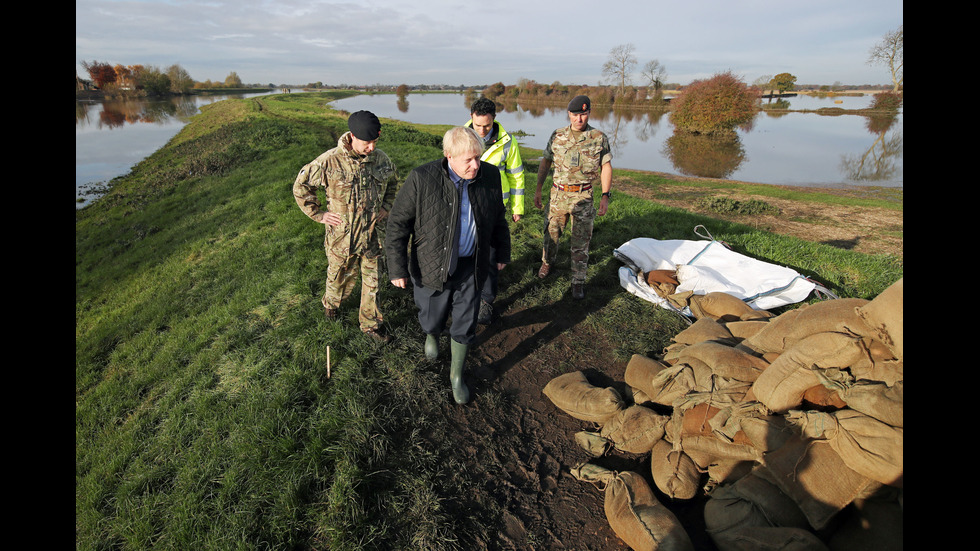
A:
(364, 125)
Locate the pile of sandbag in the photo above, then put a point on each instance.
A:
(790, 426)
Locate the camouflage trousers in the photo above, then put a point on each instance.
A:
(342, 273)
(577, 206)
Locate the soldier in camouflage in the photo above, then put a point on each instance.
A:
(581, 157)
(360, 183)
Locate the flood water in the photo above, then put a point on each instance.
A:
(114, 135)
(799, 149)
(789, 148)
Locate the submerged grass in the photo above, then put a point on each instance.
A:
(204, 415)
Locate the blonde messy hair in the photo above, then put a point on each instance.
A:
(460, 140)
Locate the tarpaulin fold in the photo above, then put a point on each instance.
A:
(704, 267)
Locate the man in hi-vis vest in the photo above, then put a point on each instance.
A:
(502, 152)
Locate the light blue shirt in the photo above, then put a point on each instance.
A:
(467, 224)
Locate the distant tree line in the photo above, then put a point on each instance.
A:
(530, 91)
(148, 80)
(618, 68)
(714, 106)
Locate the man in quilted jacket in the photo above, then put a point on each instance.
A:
(446, 217)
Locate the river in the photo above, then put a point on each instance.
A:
(112, 136)
(786, 148)
(789, 148)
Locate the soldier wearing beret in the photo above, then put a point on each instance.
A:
(359, 182)
(581, 158)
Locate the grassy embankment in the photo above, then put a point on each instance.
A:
(203, 414)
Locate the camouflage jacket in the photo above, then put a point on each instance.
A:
(577, 157)
(357, 188)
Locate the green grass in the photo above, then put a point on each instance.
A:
(727, 205)
(872, 196)
(204, 417)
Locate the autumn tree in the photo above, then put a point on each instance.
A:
(124, 76)
(620, 64)
(714, 106)
(890, 52)
(232, 80)
(101, 73)
(180, 80)
(152, 81)
(887, 101)
(494, 90)
(783, 82)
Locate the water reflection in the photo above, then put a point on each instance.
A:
(705, 156)
(786, 143)
(880, 161)
(777, 147)
(111, 136)
(618, 125)
(111, 114)
(691, 155)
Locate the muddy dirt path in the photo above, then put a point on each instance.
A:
(519, 447)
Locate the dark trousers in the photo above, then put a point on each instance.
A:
(489, 292)
(460, 297)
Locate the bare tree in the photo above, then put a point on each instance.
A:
(890, 53)
(620, 64)
(655, 74)
(763, 83)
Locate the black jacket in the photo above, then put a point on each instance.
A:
(425, 215)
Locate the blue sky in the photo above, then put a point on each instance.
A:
(467, 42)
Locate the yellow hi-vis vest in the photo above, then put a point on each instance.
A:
(506, 156)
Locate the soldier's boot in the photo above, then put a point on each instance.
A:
(460, 393)
(431, 347)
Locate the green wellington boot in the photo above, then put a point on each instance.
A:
(460, 393)
(431, 347)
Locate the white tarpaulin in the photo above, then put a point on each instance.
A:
(709, 266)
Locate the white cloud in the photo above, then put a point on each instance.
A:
(452, 41)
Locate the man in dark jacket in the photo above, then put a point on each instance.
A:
(445, 219)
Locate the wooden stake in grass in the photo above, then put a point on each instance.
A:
(328, 361)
